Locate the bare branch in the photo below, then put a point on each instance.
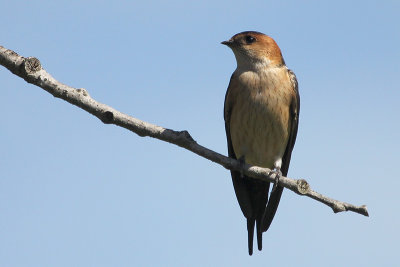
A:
(31, 71)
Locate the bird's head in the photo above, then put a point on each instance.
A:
(255, 49)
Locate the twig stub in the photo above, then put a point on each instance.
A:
(31, 65)
(303, 186)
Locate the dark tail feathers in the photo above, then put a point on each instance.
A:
(250, 234)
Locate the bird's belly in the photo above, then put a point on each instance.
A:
(259, 130)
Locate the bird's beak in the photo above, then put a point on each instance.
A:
(228, 43)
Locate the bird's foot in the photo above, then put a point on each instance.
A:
(277, 172)
(242, 163)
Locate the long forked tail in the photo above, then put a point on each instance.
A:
(250, 231)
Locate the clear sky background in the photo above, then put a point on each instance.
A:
(76, 192)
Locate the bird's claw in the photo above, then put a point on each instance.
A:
(278, 174)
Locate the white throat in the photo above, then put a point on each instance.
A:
(247, 62)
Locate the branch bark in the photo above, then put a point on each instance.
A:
(31, 71)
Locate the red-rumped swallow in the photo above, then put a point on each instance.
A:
(261, 115)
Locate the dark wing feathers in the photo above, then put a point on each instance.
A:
(241, 189)
(295, 111)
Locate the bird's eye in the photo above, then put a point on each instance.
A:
(250, 39)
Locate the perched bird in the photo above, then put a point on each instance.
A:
(261, 115)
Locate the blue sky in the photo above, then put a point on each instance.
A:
(76, 192)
